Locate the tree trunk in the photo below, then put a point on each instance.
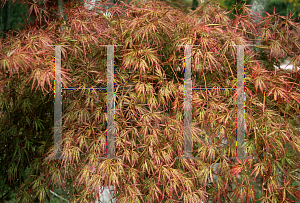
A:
(60, 8)
(61, 11)
(257, 7)
(106, 196)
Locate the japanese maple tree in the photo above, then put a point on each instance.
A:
(149, 93)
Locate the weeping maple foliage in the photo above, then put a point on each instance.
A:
(149, 98)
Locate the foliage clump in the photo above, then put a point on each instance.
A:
(149, 92)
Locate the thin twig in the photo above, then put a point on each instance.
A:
(58, 196)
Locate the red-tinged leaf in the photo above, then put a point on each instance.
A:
(235, 170)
